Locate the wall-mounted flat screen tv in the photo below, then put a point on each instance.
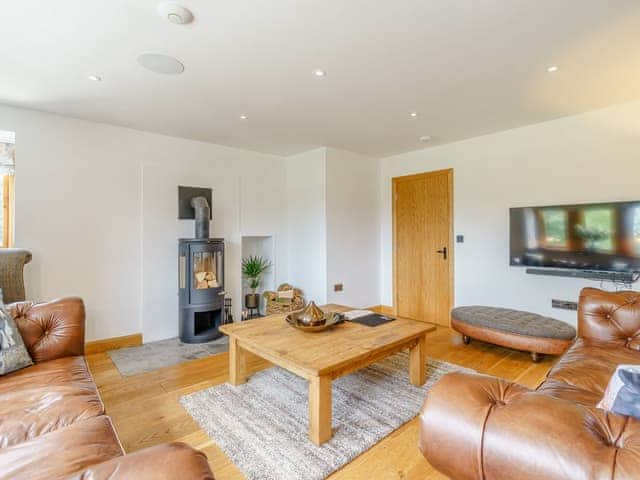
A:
(597, 236)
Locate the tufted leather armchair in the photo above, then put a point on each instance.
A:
(481, 427)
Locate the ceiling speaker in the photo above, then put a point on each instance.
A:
(161, 63)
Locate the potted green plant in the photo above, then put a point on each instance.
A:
(252, 268)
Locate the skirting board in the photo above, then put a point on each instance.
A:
(100, 346)
(383, 309)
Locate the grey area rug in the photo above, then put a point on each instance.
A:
(164, 353)
(262, 426)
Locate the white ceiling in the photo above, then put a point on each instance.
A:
(469, 67)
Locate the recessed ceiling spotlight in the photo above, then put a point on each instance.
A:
(161, 63)
(320, 73)
(552, 68)
(425, 138)
(414, 114)
(175, 13)
(243, 117)
(95, 78)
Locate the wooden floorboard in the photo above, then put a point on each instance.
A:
(146, 411)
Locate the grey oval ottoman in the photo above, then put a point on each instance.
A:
(513, 329)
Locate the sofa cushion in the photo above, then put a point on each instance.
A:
(567, 391)
(169, 461)
(13, 353)
(583, 373)
(622, 395)
(62, 452)
(63, 371)
(46, 397)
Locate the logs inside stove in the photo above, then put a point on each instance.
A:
(201, 280)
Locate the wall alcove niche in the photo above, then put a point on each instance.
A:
(264, 246)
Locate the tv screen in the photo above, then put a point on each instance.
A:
(600, 236)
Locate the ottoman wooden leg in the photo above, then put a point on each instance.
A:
(466, 339)
(536, 357)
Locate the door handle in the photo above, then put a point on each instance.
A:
(443, 252)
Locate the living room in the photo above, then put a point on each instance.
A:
(372, 162)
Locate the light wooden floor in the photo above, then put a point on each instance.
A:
(145, 408)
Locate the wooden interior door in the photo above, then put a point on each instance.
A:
(423, 253)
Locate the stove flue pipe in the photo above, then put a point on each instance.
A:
(203, 212)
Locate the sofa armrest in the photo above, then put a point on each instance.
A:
(610, 317)
(170, 461)
(51, 330)
(479, 427)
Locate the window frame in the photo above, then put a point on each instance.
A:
(8, 186)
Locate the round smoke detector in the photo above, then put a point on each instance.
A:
(175, 13)
(161, 63)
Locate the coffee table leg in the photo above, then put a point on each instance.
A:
(319, 409)
(236, 363)
(417, 362)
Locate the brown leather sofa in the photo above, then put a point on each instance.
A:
(52, 421)
(482, 427)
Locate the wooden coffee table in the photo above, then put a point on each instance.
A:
(324, 356)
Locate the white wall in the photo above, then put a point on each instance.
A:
(585, 158)
(334, 226)
(353, 228)
(96, 205)
(226, 171)
(306, 223)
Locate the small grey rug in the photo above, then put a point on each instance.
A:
(263, 425)
(163, 353)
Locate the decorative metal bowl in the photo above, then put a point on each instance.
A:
(313, 319)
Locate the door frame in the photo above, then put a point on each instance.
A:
(394, 183)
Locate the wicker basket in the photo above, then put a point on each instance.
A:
(275, 304)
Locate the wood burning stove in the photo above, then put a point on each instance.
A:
(200, 271)
(201, 288)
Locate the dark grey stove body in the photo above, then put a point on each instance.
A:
(201, 288)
